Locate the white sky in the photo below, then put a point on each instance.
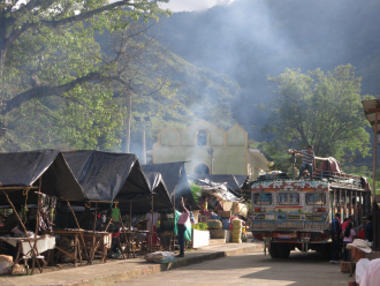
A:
(193, 5)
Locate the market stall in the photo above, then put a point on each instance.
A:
(111, 182)
(31, 179)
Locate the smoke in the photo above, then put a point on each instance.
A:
(193, 5)
(251, 40)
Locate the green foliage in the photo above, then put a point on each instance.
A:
(196, 191)
(200, 226)
(321, 109)
(71, 65)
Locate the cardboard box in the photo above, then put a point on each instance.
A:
(224, 214)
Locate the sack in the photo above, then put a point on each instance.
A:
(214, 224)
(6, 263)
(160, 257)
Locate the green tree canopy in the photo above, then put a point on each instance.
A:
(319, 109)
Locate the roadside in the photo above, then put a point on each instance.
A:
(118, 270)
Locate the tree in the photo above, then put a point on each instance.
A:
(319, 109)
(29, 31)
(51, 62)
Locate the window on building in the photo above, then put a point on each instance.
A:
(202, 138)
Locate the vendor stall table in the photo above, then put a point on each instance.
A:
(130, 240)
(95, 240)
(31, 248)
(75, 236)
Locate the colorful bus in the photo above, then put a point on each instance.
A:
(288, 214)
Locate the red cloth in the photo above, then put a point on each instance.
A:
(344, 224)
(361, 233)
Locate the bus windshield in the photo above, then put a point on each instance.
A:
(289, 198)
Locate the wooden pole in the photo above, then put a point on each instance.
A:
(16, 213)
(78, 226)
(130, 215)
(374, 157)
(151, 226)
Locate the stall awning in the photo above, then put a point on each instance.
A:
(23, 169)
(175, 178)
(106, 177)
(162, 201)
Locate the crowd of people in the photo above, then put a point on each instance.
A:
(345, 232)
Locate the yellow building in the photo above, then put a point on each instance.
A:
(208, 148)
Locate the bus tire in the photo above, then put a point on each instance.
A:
(274, 251)
(325, 251)
(284, 252)
(279, 250)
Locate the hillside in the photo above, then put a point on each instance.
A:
(250, 40)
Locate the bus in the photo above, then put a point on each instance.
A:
(290, 214)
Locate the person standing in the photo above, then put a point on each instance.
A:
(369, 229)
(182, 220)
(336, 230)
(349, 235)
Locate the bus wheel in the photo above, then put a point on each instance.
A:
(279, 251)
(325, 251)
(284, 252)
(274, 251)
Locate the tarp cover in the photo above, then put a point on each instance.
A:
(216, 189)
(108, 176)
(161, 201)
(23, 169)
(234, 182)
(175, 178)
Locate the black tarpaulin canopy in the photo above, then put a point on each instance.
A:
(175, 178)
(108, 177)
(161, 201)
(22, 170)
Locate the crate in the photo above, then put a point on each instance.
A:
(347, 266)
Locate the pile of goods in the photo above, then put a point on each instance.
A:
(216, 228)
(160, 257)
(237, 229)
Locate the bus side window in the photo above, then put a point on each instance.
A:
(315, 198)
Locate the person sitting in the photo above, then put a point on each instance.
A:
(308, 162)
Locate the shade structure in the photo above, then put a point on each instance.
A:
(161, 197)
(175, 178)
(22, 170)
(108, 177)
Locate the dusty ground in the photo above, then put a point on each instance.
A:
(251, 269)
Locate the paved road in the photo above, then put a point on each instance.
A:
(251, 269)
